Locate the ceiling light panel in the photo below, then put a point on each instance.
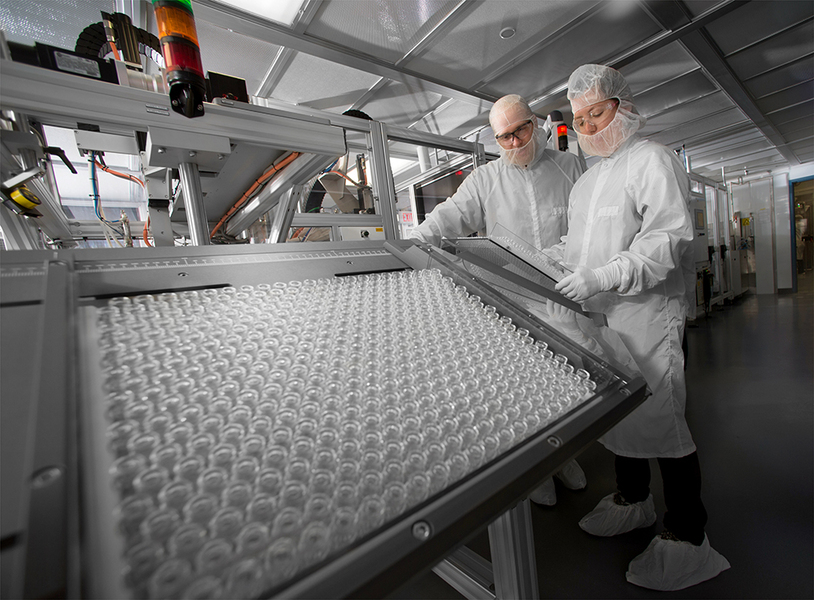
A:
(230, 53)
(381, 28)
(322, 84)
(279, 11)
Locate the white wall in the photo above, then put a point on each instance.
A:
(801, 171)
(782, 232)
(755, 198)
(767, 199)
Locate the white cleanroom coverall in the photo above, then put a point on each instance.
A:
(631, 210)
(532, 202)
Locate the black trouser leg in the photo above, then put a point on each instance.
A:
(686, 515)
(633, 478)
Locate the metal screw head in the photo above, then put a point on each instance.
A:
(175, 102)
(554, 441)
(183, 274)
(350, 262)
(192, 153)
(160, 150)
(421, 530)
(220, 157)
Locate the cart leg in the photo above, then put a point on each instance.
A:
(511, 540)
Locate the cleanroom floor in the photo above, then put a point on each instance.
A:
(750, 380)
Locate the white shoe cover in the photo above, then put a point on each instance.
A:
(673, 565)
(609, 518)
(545, 493)
(572, 476)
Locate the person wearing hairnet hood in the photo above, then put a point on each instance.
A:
(629, 244)
(525, 192)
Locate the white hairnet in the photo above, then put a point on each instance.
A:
(508, 112)
(590, 84)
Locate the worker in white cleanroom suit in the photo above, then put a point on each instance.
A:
(525, 192)
(629, 243)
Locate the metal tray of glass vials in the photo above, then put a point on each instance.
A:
(319, 437)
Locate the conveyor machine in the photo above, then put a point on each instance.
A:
(281, 420)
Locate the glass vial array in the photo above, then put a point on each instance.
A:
(256, 431)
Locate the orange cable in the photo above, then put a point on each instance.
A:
(134, 180)
(146, 231)
(122, 175)
(260, 181)
(115, 50)
(346, 177)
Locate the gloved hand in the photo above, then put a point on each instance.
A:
(564, 316)
(565, 320)
(584, 282)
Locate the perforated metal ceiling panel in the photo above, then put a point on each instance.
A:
(781, 49)
(757, 21)
(653, 69)
(797, 130)
(227, 52)
(715, 150)
(454, 118)
(804, 150)
(322, 84)
(799, 71)
(473, 48)
(770, 47)
(669, 124)
(57, 22)
(386, 30)
(699, 7)
(400, 105)
(610, 32)
(675, 92)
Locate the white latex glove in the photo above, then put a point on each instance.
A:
(579, 285)
(563, 315)
(584, 282)
(565, 320)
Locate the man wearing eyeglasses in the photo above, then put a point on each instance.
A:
(526, 192)
(629, 243)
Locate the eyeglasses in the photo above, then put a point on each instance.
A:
(597, 116)
(505, 139)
